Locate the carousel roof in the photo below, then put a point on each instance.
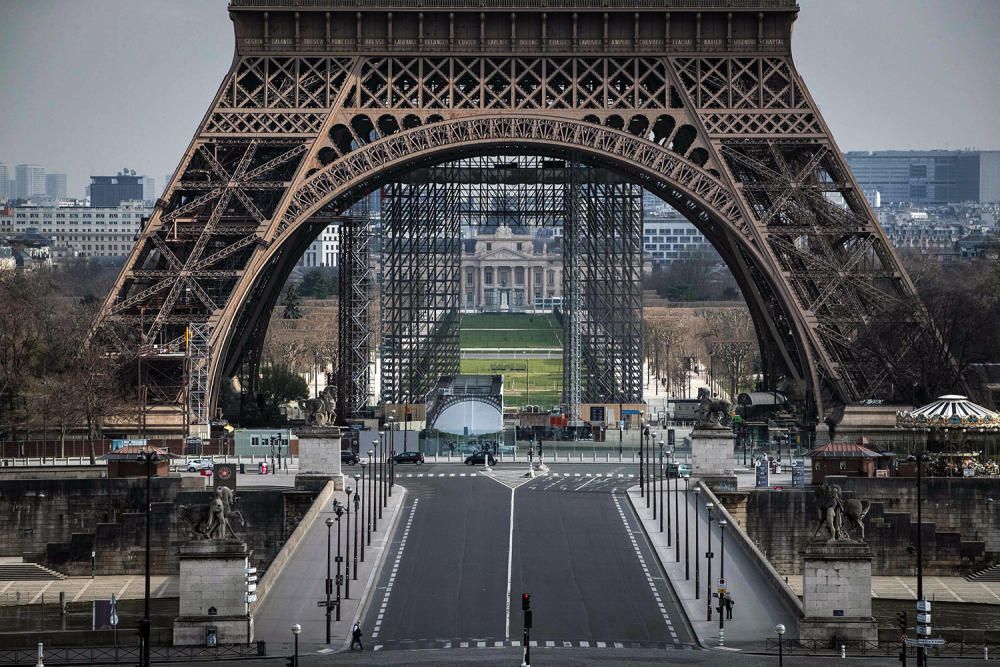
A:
(949, 411)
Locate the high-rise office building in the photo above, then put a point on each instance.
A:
(4, 182)
(110, 191)
(55, 186)
(148, 188)
(928, 177)
(30, 181)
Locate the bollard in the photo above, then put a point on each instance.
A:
(843, 651)
(41, 650)
(986, 653)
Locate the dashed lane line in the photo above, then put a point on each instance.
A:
(645, 569)
(395, 570)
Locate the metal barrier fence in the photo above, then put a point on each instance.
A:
(855, 648)
(108, 654)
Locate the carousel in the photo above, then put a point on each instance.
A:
(963, 434)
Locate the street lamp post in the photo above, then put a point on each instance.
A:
(708, 557)
(338, 509)
(347, 549)
(780, 629)
(921, 651)
(357, 518)
(373, 524)
(687, 532)
(722, 578)
(148, 457)
(642, 478)
(296, 629)
(677, 514)
(697, 545)
(652, 491)
(381, 472)
(661, 489)
(329, 580)
(365, 520)
(392, 453)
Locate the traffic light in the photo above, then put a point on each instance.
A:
(901, 620)
(525, 601)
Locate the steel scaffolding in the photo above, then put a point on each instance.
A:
(354, 373)
(198, 352)
(602, 291)
(421, 262)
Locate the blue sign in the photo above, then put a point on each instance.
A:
(763, 475)
(799, 473)
(631, 412)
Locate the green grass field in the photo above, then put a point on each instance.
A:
(544, 379)
(510, 330)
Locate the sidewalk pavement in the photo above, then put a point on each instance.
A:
(294, 595)
(85, 589)
(940, 589)
(756, 608)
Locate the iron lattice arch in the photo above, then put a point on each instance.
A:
(698, 102)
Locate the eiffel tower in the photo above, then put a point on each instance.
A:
(697, 101)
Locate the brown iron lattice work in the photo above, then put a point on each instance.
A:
(698, 101)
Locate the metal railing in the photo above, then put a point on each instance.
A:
(515, 4)
(506, 45)
(106, 654)
(875, 648)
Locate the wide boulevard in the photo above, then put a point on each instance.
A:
(470, 543)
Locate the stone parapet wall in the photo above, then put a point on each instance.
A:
(60, 522)
(781, 523)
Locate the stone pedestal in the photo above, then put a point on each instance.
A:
(837, 593)
(319, 458)
(712, 457)
(213, 594)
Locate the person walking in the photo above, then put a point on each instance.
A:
(729, 607)
(356, 637)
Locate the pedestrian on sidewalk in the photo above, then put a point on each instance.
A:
(356, 637)
(729, 607)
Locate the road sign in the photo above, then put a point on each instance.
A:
(722, 583)
(251, 598)
(923, 630)
(251, 588)
(930, 641)
(250, 570)
(923, 618)
(923, 605)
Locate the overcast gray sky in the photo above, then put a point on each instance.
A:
(92, 86)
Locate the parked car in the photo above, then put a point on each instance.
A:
(409, 457)
(678, 470)
(195, 465)
(477, 459)
(349, 457)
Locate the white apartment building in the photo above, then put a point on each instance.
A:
(670, 237)
(322, 251)
(90, 232)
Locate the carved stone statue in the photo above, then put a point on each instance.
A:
(711, 411)
(321, 411)
(212, 522)
(832, 511)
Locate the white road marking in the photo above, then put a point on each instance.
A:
(642, 562)
(585, 483)
(510, 560)
(395, 568)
